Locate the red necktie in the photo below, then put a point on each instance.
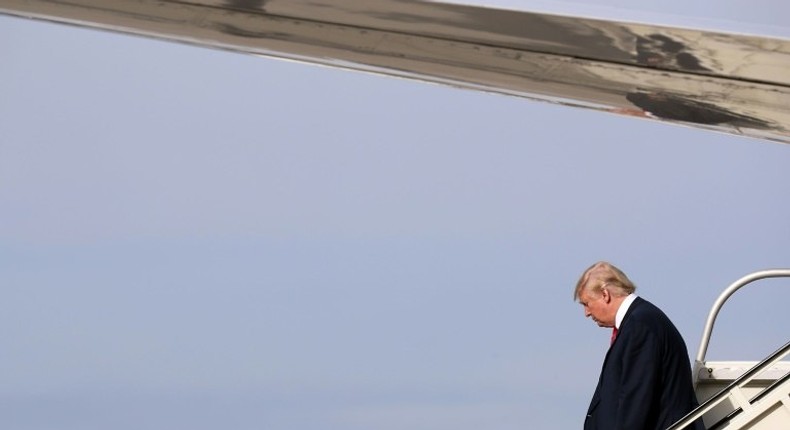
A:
(614, 335)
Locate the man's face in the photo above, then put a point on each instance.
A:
(596, 306)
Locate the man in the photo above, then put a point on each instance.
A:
(645, 382)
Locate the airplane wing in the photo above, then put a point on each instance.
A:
(721, 81)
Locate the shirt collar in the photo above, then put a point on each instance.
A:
(618, 319)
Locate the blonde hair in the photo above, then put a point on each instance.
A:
(603, 274)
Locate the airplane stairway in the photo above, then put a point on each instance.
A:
(738, 395)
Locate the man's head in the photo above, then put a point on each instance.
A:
(601, 289)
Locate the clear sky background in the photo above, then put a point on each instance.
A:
(196, 239)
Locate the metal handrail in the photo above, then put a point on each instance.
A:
(723, 394)
(772, 273)
(754, 399)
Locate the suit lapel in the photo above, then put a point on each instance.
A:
(636, 303)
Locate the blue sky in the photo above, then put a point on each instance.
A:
(192, 238)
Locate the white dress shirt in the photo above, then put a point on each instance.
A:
(618, 319)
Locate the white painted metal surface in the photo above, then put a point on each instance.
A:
(771, 412)
(739, 395)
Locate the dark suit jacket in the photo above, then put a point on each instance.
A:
(645, 382)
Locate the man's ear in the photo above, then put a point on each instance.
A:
(606, 296)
